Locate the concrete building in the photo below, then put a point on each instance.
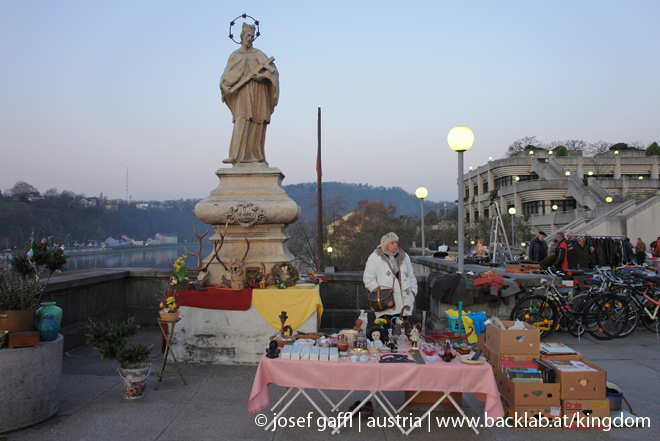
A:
(615, 193)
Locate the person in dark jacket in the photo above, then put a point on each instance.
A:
(570, 253)
(581, 252)
(640, 251)
(561, 262)
(538, 249)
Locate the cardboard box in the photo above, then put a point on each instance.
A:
(424, 400)
(481, 341)
(494, 358)
(582, 385)
(585, 414)
(532, 417)
(22, 339)
(513, 342)
(529, 394)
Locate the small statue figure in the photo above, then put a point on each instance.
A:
(365, 321)
(414, 337)
(273, 351)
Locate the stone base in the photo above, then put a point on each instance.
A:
(248, 203)
(225, 337)
(30, 384)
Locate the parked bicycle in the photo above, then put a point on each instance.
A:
(600, 313)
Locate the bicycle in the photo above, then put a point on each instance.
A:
(596, 312)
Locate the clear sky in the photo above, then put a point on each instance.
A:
(88, 88)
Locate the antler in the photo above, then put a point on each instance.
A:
(216, 250)
(247, 250)
(199, 252)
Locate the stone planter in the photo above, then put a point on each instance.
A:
(30, 383)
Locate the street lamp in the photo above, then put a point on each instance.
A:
(460, 139)
(554, 207)
(329, 250)
(421, 193)
(608, 199)
(512, 211)
(590, 173)
(568, 173)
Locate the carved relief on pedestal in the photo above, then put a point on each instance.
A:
(246, 215)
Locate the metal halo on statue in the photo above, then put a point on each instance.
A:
(233, 22)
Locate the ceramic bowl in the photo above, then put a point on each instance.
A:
(305, 342)
(283, 340)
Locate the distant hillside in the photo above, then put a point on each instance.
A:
(405, 203)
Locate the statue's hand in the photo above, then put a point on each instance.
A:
(225, 88)
(260, 76)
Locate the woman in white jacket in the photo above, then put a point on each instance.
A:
(387, 266)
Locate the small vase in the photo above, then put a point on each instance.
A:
(48, 308)
(48, 328)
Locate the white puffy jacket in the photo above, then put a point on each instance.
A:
(379, 273)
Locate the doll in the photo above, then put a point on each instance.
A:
(376, 337)
(414, 337)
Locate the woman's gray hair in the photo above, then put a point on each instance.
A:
(385, 240)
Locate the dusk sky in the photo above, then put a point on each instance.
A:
(88, 88)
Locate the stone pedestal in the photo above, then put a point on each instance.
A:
(248, 203)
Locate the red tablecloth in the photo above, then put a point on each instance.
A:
(226, 299)
(339, 375)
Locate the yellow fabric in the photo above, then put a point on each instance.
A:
(467, 324)
(299, 304)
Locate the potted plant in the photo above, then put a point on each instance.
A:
(113, 341)
(169, 308)
(23, 282)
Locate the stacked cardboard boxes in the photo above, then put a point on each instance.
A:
(576, 398)
(583, 393)
(530, 405)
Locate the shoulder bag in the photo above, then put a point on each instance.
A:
(381, 299)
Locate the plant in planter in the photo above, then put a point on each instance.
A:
(24, 281)
(113, 341)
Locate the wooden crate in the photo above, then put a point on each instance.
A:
(425, 400)
(23, 339)
(522, 267)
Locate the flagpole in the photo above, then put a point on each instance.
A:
(319, 195)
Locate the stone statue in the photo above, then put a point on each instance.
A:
(250, 88)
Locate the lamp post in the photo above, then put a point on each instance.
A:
(421, 193)
(460, 139)
(512, 211)
(329, 249)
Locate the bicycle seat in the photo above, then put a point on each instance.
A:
(592, 282)
(654, 279)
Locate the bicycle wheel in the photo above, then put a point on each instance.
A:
(652, 324)
(538, 311)
(605, 316)
(573, 317)
(630, 325)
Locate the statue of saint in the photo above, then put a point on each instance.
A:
(250, 87)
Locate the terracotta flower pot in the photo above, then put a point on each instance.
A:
(17, 321)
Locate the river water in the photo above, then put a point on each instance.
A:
(142, 257)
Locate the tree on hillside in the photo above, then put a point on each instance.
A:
(600, 161)
(598, 148)
(521, 144)
(637, 145)
(357, 235)
(653, 150)
(51, 193)
(561, 151)
(303, 243)
(21, 188)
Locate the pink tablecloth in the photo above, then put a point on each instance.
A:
(438, 377)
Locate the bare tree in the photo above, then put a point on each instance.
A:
(51, 193)
(575, 145)
(639, 145)
(520, 144)
(601, 159)
(598, 148)
(21, 188)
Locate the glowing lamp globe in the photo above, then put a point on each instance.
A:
(460, 138)
(421, 193)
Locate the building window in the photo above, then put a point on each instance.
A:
(533, 207)
(504, 181)
(476, 216)
(486, 213)
(475, 189)
(564, 205)
(485, 187)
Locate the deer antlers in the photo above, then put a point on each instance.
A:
(199, 252)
